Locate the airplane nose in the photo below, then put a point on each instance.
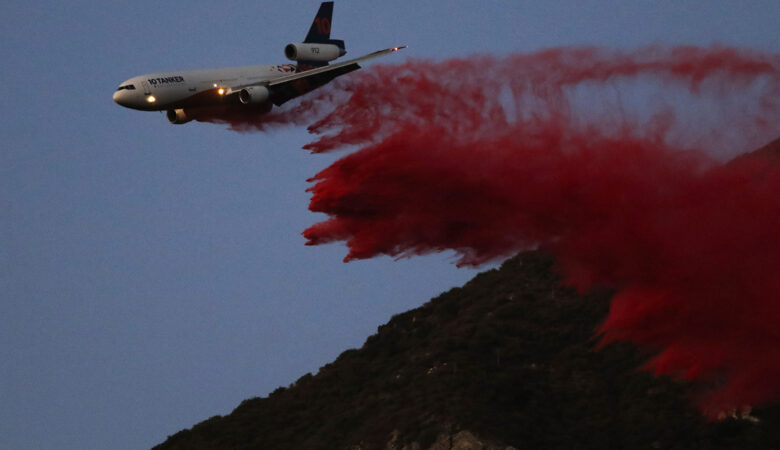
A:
(118, 97)
(124, 98)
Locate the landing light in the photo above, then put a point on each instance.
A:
(221, 91)
(151, 99)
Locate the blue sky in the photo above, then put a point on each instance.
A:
(152, 276)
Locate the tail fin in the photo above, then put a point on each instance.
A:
(319, 33)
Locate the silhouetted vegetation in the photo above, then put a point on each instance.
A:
(510, 357)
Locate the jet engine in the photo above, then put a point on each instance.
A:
(313, 52)
(177, 116)
(254, 95)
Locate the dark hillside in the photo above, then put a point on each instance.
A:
(770, 152)
(509, 357)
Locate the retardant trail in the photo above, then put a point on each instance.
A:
(612, 161)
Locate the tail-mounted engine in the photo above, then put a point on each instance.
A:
(313, 52)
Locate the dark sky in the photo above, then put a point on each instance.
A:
(154, 275)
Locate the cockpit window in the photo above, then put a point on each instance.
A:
(129, 87)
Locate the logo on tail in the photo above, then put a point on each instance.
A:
(319, 33)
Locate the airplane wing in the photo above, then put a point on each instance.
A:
(290, 86)
(325, 69)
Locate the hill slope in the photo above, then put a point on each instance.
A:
(509, 357)
(769, 152)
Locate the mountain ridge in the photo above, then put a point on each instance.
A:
(508, 359)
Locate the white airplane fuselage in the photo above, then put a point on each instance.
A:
(194, 88)
(216, 93)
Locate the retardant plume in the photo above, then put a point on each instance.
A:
(612, 160)
(303, 112)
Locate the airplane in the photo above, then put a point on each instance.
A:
(187, 95)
